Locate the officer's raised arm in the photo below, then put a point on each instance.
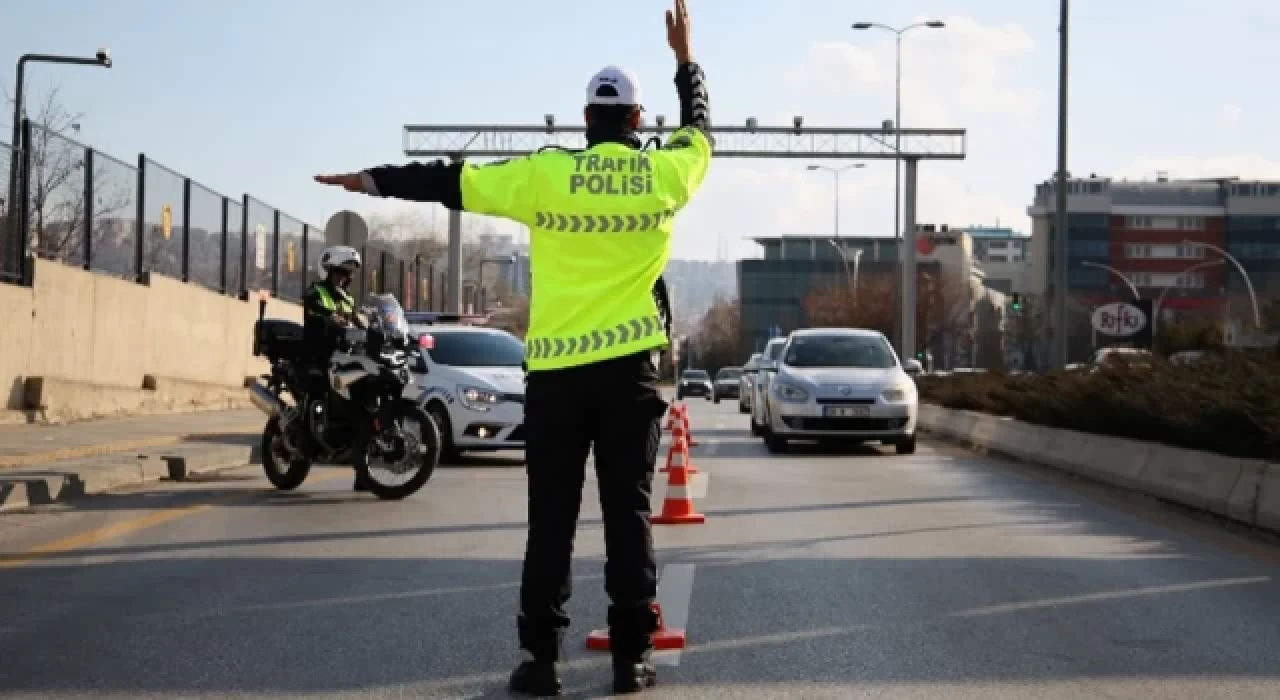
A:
(687, 154)
(501, 188)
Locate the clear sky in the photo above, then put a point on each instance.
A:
(258, 96)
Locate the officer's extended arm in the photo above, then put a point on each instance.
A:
(695, 104)
(502, 188)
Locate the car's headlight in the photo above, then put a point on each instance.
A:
(897, 394)
(789, 392)
(477, 399)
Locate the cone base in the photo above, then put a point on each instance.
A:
(665, 639)
(689, 519)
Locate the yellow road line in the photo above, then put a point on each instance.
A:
(92, 537)
(122, 528)
(32, 458)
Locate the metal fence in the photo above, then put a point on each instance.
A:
(10, 245)
(88, 209)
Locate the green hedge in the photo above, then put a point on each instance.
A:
(1229, 405)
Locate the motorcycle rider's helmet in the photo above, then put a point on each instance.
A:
(341, 257)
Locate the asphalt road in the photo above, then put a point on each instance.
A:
(817, 575)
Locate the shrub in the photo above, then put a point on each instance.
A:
(1228, 404)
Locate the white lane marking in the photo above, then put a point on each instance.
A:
(675, 593)
(1106, 595)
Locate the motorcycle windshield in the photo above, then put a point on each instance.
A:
(389, 313)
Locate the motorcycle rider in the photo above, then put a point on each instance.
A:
(328, 311)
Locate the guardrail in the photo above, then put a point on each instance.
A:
(86, 208)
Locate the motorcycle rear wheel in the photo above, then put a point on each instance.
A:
(430, 457)
(286, 479)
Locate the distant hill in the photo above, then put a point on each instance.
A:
(694, 284)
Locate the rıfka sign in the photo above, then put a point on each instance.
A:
(1119, 318)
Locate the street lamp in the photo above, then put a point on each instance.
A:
(1253, 298)
(1132, 287)
(897, 105)
(1155, 310)
(101, 58)
(836, 172)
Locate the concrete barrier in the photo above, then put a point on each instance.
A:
(1268, 506)
(69, 480)
(1201, 480)
(90, 341)
(1244, 490)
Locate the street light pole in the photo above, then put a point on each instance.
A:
(101, 58)
(1253, 298)
(1132, 287)
(836, 172)
(1059, 338)
(1155, 310)
(843, 259)
(897, 107)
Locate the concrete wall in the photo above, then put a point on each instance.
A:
(76, 327)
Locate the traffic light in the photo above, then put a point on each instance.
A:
(1017, 302)
(920, 355)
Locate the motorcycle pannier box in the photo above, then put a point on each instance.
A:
(277, 338)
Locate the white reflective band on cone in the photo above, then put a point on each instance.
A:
(677, 492)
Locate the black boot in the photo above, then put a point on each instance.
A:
(362, 482)
(633, 675)
(535, 678)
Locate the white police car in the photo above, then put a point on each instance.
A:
(472, 383)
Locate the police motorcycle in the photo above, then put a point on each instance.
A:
(365, 419)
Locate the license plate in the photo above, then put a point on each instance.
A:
(847, 411)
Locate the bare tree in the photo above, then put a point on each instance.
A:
(942, 308)
(717, 338)
(57, 184)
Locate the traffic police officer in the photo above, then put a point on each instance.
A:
(600, 225)
(327, 311)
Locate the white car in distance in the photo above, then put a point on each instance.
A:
(760, 385)
(472, 381)
(841, 384)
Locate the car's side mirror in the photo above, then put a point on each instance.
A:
(913, 367)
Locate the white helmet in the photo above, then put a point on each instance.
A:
(340, 256)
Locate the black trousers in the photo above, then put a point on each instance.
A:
(613, 408)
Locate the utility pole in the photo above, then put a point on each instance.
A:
(1058, 356)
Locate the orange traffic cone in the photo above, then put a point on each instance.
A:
(678, 453)
(673, 416)
(665, 638)
(684, 418)
(677, 507)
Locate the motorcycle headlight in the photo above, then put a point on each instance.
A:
(789, 392)
(477, 399)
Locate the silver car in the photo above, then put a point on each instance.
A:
(746, 382)
(841, 384)
(760, 385)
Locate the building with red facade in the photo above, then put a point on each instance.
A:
(1161, 238)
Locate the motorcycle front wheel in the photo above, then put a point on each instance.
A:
(398, 460)
(285, 472)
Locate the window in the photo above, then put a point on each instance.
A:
(1087, 277)
(1255, 250)
(695, 375)
(1161, 280)
(1089, 249)
(840, 351)
(728, 373)
(476, 348)
(1163, 251)
(1181, 223)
